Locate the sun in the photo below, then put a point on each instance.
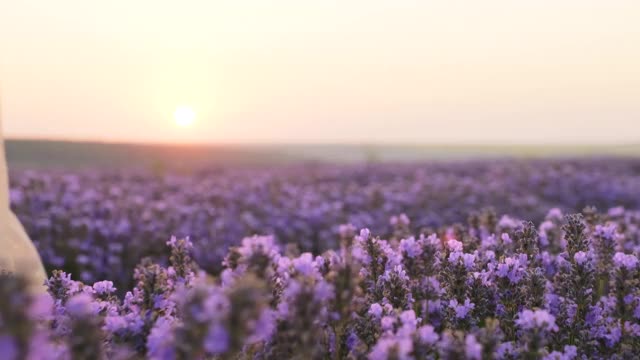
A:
(184, 116)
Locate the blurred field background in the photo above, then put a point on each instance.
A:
(25, 154)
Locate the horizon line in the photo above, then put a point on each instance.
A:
(399, 143)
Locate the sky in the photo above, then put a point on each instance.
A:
(419, 72)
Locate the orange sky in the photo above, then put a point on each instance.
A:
(323, 71)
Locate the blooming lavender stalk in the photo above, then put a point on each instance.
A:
(368, 327)
(453, 345)
(493, 288)
(456, 276)
(605, 239)
(221, 322)
(348, 299)
(420, 260)
(550, 231)
(394, 285)
(200, 331)
(489, 337)
(400, 226)
(575, 281)
(85, 340)
(534, 283)
(625, 283)
(61, 287)
(574, 235)
(373, 255)
(249, 319)
(258, 256)
(591, 216)
(508, 276)
(302, 316)
(535, 329)
(180, 259)
(148, 301)
(526, 238)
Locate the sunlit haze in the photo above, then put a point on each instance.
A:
(184, 116)
(322, 71)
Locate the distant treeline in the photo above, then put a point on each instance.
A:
(67, 154)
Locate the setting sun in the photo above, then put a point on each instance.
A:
(184, 116)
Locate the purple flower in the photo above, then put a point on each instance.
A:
(433, 241)
(555, 214)
(513, 267)
(506, 239)
(409, 322)
(473, 349)
(387, 323)
(346, 230)
(570, 352)
(461, 310)
(427, 335)
(489, 255)
(469, 260)
(364, 234)
(42, 348)
(410, 247)
(622, 260)
(375, 310)
(454, 245)
(305, 265)
(507, 222)
(538, 319)
(264, 327)
(259, 244)
(580, 257)
(323, 291)
(506, 350)
(403, 219)
(8, 347)
(114, 324)
(184, 243)
(398, 271)
(616, 211)
(104, 288)
(388, 348)
(160, 340)
(217, 340)
(81, 305)
(454, 256)
(375, 295)
(608, 231)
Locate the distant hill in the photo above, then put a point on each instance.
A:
(67, 154)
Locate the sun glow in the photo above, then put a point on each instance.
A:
(184, 116)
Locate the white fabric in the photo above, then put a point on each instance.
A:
(17, 253)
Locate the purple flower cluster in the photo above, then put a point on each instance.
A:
(99, 224)
(462, 292)
(372, 262)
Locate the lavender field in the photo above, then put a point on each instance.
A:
(486, 259)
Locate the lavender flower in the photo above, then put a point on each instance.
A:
(570, 352)
(461, 310)
(473, 349)
(427, 335)
(307, 287)
(629, 262)
(375, 310)
(536, 320)
(454, 245)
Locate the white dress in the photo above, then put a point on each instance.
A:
(17, 253)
